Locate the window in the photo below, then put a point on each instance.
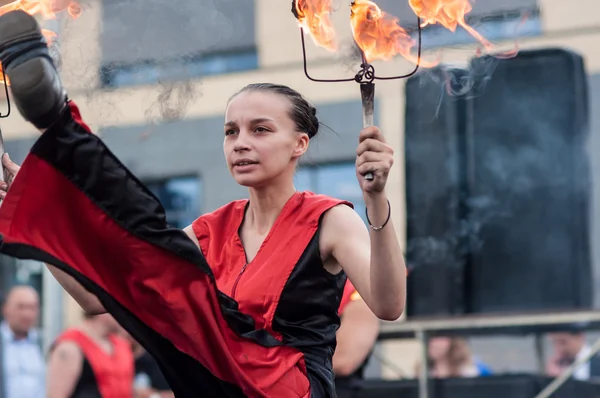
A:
(151, 72)
(21, 272)
(336, 180)
(180, 197)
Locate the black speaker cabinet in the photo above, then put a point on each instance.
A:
(434, 149)
(514, 386)
(500, 386)
(528, 184)
(498, 187)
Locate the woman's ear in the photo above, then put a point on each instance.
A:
(301, 145)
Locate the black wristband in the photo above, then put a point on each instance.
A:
(374, 228)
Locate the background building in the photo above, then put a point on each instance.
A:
(153, 77)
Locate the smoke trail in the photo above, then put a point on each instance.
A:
(152, 42)
(172, 102)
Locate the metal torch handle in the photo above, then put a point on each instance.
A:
(367, 92)
(3, 173)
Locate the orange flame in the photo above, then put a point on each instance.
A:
(379, 35)
(47, 9)
(314, 17)
(449, 14)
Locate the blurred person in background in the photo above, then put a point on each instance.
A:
(452, 357)
(356, 339)
(569, 346)
(91, 361)
(23, 367)
(149, 381)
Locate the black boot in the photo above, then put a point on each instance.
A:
(34, 81)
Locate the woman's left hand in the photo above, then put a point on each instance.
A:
(373, 155)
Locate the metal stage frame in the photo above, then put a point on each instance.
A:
(520, 324)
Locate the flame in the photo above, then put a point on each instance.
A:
(46, 9)
(448, 13)
(379, 35)
(314, 17)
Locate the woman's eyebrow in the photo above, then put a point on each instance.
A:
(232, 123)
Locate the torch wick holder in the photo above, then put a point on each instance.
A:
(4, 115)
(366, 74)
(365, 77)
(3, 171)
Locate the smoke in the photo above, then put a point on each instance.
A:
(55, 54)
(172, 102)
(465, 82)
(168, 45)
(495, 150)
(350, 58)
(462, 228)
(495, 26)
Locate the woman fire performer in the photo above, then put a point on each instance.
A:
(244, 301)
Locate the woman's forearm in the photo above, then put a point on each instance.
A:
(388, 270)
(88, 301)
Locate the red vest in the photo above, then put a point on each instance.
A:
(257, 286)
(114, 373)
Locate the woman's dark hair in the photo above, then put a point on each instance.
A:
(302, 112)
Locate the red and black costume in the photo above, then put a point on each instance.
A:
(103, 375)
(231, 329)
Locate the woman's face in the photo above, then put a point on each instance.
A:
(261, 142)
(439, 347)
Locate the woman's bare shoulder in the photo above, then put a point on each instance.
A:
(189, 230)
(340, 222)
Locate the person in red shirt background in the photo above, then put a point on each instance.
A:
(356, 339)
(91, 361)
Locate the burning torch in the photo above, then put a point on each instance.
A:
(379, 36)
(376, 35)
(3, 174)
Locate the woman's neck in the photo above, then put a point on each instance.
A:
(266, 205)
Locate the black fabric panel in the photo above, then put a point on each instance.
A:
(90, 166)
(186, 376)
(312, 327)
(146, 364)
(87, 386)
